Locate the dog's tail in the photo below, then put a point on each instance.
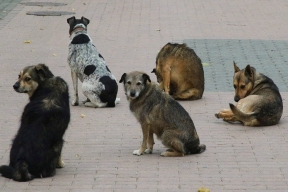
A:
(200, 149)
(244, 117)
(6, 171)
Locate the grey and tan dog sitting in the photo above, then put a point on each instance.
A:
(87, 64)
(158, 113)
(259, 102)
(36, 148)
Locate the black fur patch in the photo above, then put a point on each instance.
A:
(108, 69)
(80, 39)
(110, 92)
(101, 56)
(89, 69)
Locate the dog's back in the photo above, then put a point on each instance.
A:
(186, 75)
(83, 57)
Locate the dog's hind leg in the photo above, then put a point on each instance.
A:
(21, 172)
(86, 100)
(191, 94)
(58, 149)
(50, 169)
(117, 101)
(94, 100)
(175, 146)
(75, 101)
(95, 104)
(226, 115)
(60, 163)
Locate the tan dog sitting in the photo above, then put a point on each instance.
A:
(180, 72)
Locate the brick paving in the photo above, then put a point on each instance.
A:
(98, 148)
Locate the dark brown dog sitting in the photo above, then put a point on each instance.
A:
(36, 148)
(259, 102)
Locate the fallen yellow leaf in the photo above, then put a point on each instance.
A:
(27, 41)
(203, 189)
(205, 64)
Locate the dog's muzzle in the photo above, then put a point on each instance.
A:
(18, 89)
(16, 86)
(236, 98)
(132, 94)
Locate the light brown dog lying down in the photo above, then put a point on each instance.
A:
(259, 102)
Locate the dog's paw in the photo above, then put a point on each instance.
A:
(148, 151)
(75, 102)
(98, 105)
(86, 100)
(61, 164)
(117, 100)
(137, 152)
(90, 104)
(164, 154)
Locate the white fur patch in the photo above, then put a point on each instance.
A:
(136, 152)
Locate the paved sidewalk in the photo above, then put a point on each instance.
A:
(98, 148)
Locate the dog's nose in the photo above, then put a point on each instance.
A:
(16, 86)
(236, 98)
(132, 93)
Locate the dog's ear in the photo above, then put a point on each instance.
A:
(71, 20)
(236, 68)
(249, 71)
(146, 78)
(85, 21)
(123, 78)
(153, 71)
(43, 71)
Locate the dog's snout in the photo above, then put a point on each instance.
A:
(16, 85)
(236, 98)
(132, 93)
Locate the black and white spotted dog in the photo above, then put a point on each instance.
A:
(87, 64)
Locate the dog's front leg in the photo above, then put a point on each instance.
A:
(145, 130)
(150, 142)
(166, 79)
(75, 101)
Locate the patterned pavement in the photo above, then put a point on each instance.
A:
(267, 56)
(98, 148)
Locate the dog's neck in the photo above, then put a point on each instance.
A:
(77, 29)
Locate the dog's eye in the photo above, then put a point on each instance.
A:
(129, 82)
(242, 86)
(139, 83)
(27, 78)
